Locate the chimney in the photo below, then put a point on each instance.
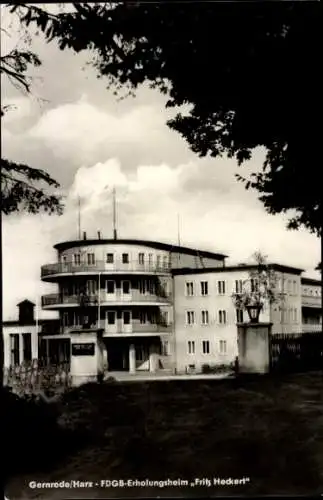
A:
(114, 234)
(84, 235)
(99, 235)
(26, 312)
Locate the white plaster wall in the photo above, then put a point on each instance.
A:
(7, 330)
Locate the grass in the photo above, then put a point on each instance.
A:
(268, 429)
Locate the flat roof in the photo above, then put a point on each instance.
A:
(244, 267)
(153, 244)
(310, 281)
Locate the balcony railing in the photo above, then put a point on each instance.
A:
(104, 267)
(120, 329)
(53, 299)
(311, 301)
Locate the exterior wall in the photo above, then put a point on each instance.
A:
(179, 260)
(311, 305)
(19, 330)
(215, 333)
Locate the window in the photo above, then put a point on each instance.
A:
(142, 286)
(110, 258)
(190, 317)
(221, 287)
(158, 261)
(295, 315)
(141, 258)
(91, 259)
(126, 317)
(206, 347)
(125, 258)
(189, 289)
(223, 346)
(142, 317)
(204, 288)
(191, 347)
(77, 259)
(165, 350)
(165, 317)
(141, 354)
(111, 317)
(26, 342)
(14, 349)
(295, 287)
(222, 317)
(165, 265)
(239, 313)
(111, 286)
(150, 260)
(91, 287)
(205, 317)
(239, 286)
(126, 287)
(254, 285)
(64, 259)
(65, 319)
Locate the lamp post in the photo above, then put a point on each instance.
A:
(254, 312)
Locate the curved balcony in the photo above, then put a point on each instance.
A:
(135, 329)
(52, 271)
(57, 300)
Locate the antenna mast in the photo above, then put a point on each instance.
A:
(114, 215)
(79, 217)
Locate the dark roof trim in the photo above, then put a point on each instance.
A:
(311, 281)
(153, 244)
(16, 322)
(275, 267)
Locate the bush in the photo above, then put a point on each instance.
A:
(208, 369)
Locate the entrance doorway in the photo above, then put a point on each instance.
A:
(118, 356)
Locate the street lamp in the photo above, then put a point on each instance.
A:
(254, 312)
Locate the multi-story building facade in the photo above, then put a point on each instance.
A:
(159, 306)
(128, 289)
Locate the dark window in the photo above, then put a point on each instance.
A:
(110, 258)
(90, 259)
(126, 317)
(111, 315)
(26, 340)
(141, 258)
(14, 349)
(125, 287)
(125, 258)
(206, 347)
(110, 286)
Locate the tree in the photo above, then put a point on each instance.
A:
(260, 288)
(249, 72)
(24, 187)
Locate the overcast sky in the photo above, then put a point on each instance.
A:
(73, 127)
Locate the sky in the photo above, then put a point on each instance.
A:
(74, 127)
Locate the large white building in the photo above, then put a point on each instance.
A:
(160, 307)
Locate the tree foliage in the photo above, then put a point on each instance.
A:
(23, 187)
(249, 70)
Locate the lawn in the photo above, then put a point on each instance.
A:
(267, 429)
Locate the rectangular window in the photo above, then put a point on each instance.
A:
(190, 317)
(221, 287)
(26, 341)
(204, 288)
(206, 347)
(142, 286)
(65, 319)
(110, 258)
(205, 317)
(254, 285)
(141, 258)
(238, 286)
(141, 354)
(165, 317)
(189, 289)
(125, 258)
(14, 349)
(126, 287)
(77, 259)
(223, 346)
(191, 347)
(239, 313)
(165, 350)
(142, 317)
(150, 260)
(90, 259)
(222, 317)
(158, 261)
(91, 287)
(165, 264)
(111, 317)
(126, 317)
(111, 286)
